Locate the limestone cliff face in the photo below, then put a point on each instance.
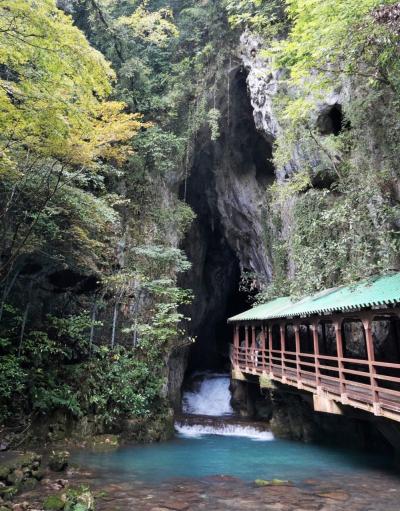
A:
(264, 84)
(226, 189)
(242, 174)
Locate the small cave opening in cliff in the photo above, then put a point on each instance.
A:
(331, 121)
(63, 280)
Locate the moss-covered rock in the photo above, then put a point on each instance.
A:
(79, 499)
(15, 477)
(28, 484)
(104, 442)
(38, 474)
(30, 459)
(85, 501)
(58, 460)
(8, 492)
(5, 469)
(19, 474)
(266, 382)
(155, 429)
(53, 503)
(22, 464)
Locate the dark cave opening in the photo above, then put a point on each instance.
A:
(262, 155)
(251, 149)
(331, 121)
(240, 156)
(63, 280)
(214, 278)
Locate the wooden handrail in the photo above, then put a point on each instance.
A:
(310, 370)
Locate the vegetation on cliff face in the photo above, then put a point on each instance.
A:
(336, 218)
(60, 137)
(100, 105)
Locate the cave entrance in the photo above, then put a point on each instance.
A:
(211, 351)
(215, 274)
(215, 281)
(331, 121)
(225, 188)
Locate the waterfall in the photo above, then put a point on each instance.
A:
(238, 430)
(212, 397)
(208, 410)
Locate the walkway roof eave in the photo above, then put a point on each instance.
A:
(380, 291)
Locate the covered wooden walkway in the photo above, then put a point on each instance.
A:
(342, 344)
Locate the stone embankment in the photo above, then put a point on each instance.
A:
(31, 482)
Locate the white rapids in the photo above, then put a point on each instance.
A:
(212, 398)
(198, 430)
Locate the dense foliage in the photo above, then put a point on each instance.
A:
(340, 207)
(92, 143)
(101, 103)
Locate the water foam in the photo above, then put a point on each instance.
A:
(212, 398)
(198, 431)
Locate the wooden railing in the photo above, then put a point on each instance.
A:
(370, 385)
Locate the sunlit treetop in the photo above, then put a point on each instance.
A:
(334, 35)
(154, 27)
(54, 88)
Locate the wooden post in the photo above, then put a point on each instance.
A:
(314, 329)
(367, 322)
(271, 364)
(337, 323)
(253, 356)
(263, 347)
(236, 336)
(246, 345)
(236, 345)
(297, 339)
(283, 349)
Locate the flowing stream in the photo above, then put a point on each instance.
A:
(211, 440)
(215, 457)
(212, 396)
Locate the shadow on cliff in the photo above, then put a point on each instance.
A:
(225, 189)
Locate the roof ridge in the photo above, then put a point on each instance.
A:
(381, 289)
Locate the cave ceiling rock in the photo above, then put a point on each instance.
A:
(265, 83)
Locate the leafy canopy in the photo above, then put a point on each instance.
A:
(53, 87)
(333, 38)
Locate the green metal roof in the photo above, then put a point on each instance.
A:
(263, 311)
(380, 291)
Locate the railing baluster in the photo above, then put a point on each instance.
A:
(282, 339)
(271, 364)
(339, 346)
(297, 340)
(263, 348)
(367, 322)
(314, 328)
(236, 345)
(246, 345)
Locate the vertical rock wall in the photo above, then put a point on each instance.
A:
(226, 191)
